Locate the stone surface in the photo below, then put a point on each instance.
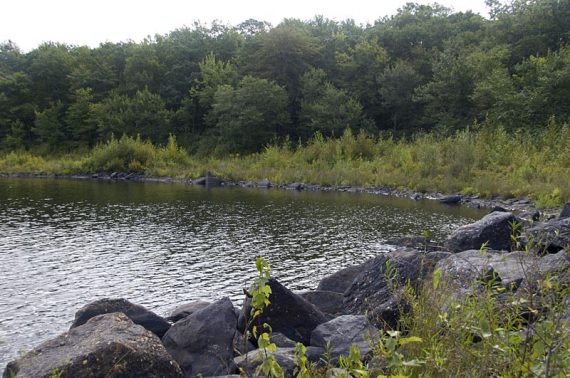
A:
(138, 314)
(108, 345)
(494, 230)
(552, 235)
(186, 309)
(241, 345)
(372, 290)
(288, 313)
(281, 340)
(340, 281)
(329, 302)
(565, 213)
(284, 356)
(202, 343)
(342, 332)
(451, 200)
(467, 268)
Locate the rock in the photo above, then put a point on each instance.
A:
(138, 314)
(494, 230)
(418, 242)
(550, 236)
(498, 209)
(186, 309)
(330, 303)
(281, 340)
(372, 290)
(265, 184)
(288, 313)
(201, 343)
(340, 281)
(340, 333)
(208, 180)
(284, 356)
(450, 200)
(530, 215)
(565, 213)
(108, 345)
(510, 270)
(294, 186)
(241, 345)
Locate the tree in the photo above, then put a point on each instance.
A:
(325, 108)
(80, 118)
(397, 85)
(49, 126)
(248, 117)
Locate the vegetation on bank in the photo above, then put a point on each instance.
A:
(484, 160)
(234, 89)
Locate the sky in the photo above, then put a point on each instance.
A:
(29, 23)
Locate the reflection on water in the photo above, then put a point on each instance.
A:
(65, 243)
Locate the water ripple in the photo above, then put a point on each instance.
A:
(66, 243)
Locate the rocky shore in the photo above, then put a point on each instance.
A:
(523, 205)
(355, 306)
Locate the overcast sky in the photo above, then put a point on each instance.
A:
(90, 22)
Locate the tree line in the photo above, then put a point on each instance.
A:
(233, 89)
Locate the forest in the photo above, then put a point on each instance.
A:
(235, 89)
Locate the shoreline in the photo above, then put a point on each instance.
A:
(519, 205)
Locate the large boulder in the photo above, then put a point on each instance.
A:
(342, 332)
(494, 230)
(467, 269)
(285, 358)
(288, 313)
(376, 290)
(329, 302)
(186, 309)
(202, 343)
(551, 236)
(108, 345)
(340, 281)
(138, 314)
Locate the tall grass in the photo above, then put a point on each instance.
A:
(485, 160)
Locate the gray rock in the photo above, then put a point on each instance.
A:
(281, 340)
(340, 281)
(551, 236)
(208, 180)
(265, 183)
(108, 345)
(284, 356)
(202, 343)
(295, 186)
(342, 332)
(371, 291)
(565, 213)
(186, 309)
(288, 313)
(494, 230)
(138, 314)
(418, 242)
(451, 200)
(330, 303)
(241, 345)
(510, 270)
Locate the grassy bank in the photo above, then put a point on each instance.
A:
(487, 161)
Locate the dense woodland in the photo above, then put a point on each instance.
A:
(234, 89)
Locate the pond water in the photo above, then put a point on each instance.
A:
(65, 243)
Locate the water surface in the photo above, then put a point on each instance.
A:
(65, 243)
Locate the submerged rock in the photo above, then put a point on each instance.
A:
(138, 314)
(494, 231)
(451, 200)
(108, 345)
(208, 180)
(202, 343)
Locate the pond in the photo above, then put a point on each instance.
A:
(64, 243)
